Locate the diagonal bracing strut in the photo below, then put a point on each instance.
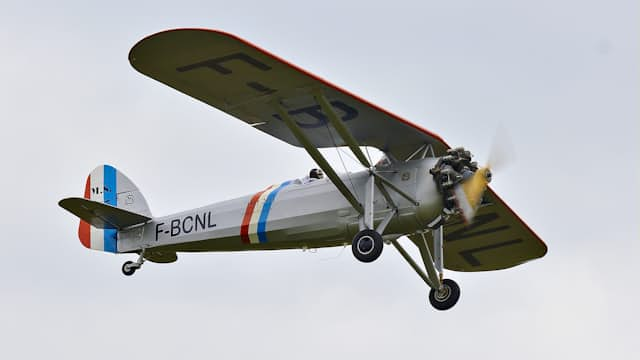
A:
(375, 180)
(319, 159)
(352, 143)
(433, 265)
(345, 134)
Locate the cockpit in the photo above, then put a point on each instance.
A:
(315, 174)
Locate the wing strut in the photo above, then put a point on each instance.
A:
(345, 134)
(364, 243)
(319, 159)
(355, 148)
(393, 187)
(366, 209)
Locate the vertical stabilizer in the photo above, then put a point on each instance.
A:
(107, 185)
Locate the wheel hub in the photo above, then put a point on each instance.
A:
(365, 245)
(443, 293)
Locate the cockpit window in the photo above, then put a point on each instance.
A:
(314, 175)
(383, 162)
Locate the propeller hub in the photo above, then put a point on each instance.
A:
(487, 175)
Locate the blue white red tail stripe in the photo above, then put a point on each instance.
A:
(109, 194)
(101, 186)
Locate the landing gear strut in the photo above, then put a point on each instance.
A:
(129, 268)
(444, 293)
(368, 243)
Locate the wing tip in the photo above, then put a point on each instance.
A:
(159, 33)
(542, 243)
(64, 203)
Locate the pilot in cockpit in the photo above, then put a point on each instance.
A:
(314, 174)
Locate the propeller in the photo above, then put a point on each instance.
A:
(469, 192)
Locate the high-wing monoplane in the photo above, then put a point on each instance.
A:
(422, 188)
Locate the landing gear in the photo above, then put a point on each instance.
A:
(445, 297)
(129, 268)
(367, 245)
(444, 293)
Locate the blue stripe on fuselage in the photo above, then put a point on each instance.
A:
(110, 198)
(262, 222)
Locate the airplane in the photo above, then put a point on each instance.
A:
(421, 188)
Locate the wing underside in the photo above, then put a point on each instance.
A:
(249, 83)
(496, 239)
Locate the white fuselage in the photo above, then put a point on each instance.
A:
(293, 215)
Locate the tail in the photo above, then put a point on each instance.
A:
(113, 202)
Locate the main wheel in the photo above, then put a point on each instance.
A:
(446, 297)
(367, 245)
(128, 269)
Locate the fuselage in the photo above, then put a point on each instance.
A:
(293, 214)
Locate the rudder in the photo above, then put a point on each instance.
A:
(107, 185)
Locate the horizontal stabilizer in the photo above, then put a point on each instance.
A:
(102, 216)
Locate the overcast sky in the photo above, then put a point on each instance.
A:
(562, 77)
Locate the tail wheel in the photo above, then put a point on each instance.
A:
(367, 245)
(128, 268)
(446, 296)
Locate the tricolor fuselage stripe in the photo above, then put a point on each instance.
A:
(246, 219)
(254, 222)
(255, 217)
(262, 223)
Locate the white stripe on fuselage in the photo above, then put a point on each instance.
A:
(255, 217)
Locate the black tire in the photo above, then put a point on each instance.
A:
(127, 269)
(446, 297)
(367, 245)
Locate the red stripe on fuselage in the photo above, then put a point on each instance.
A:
(84, 230)
(244, 228)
